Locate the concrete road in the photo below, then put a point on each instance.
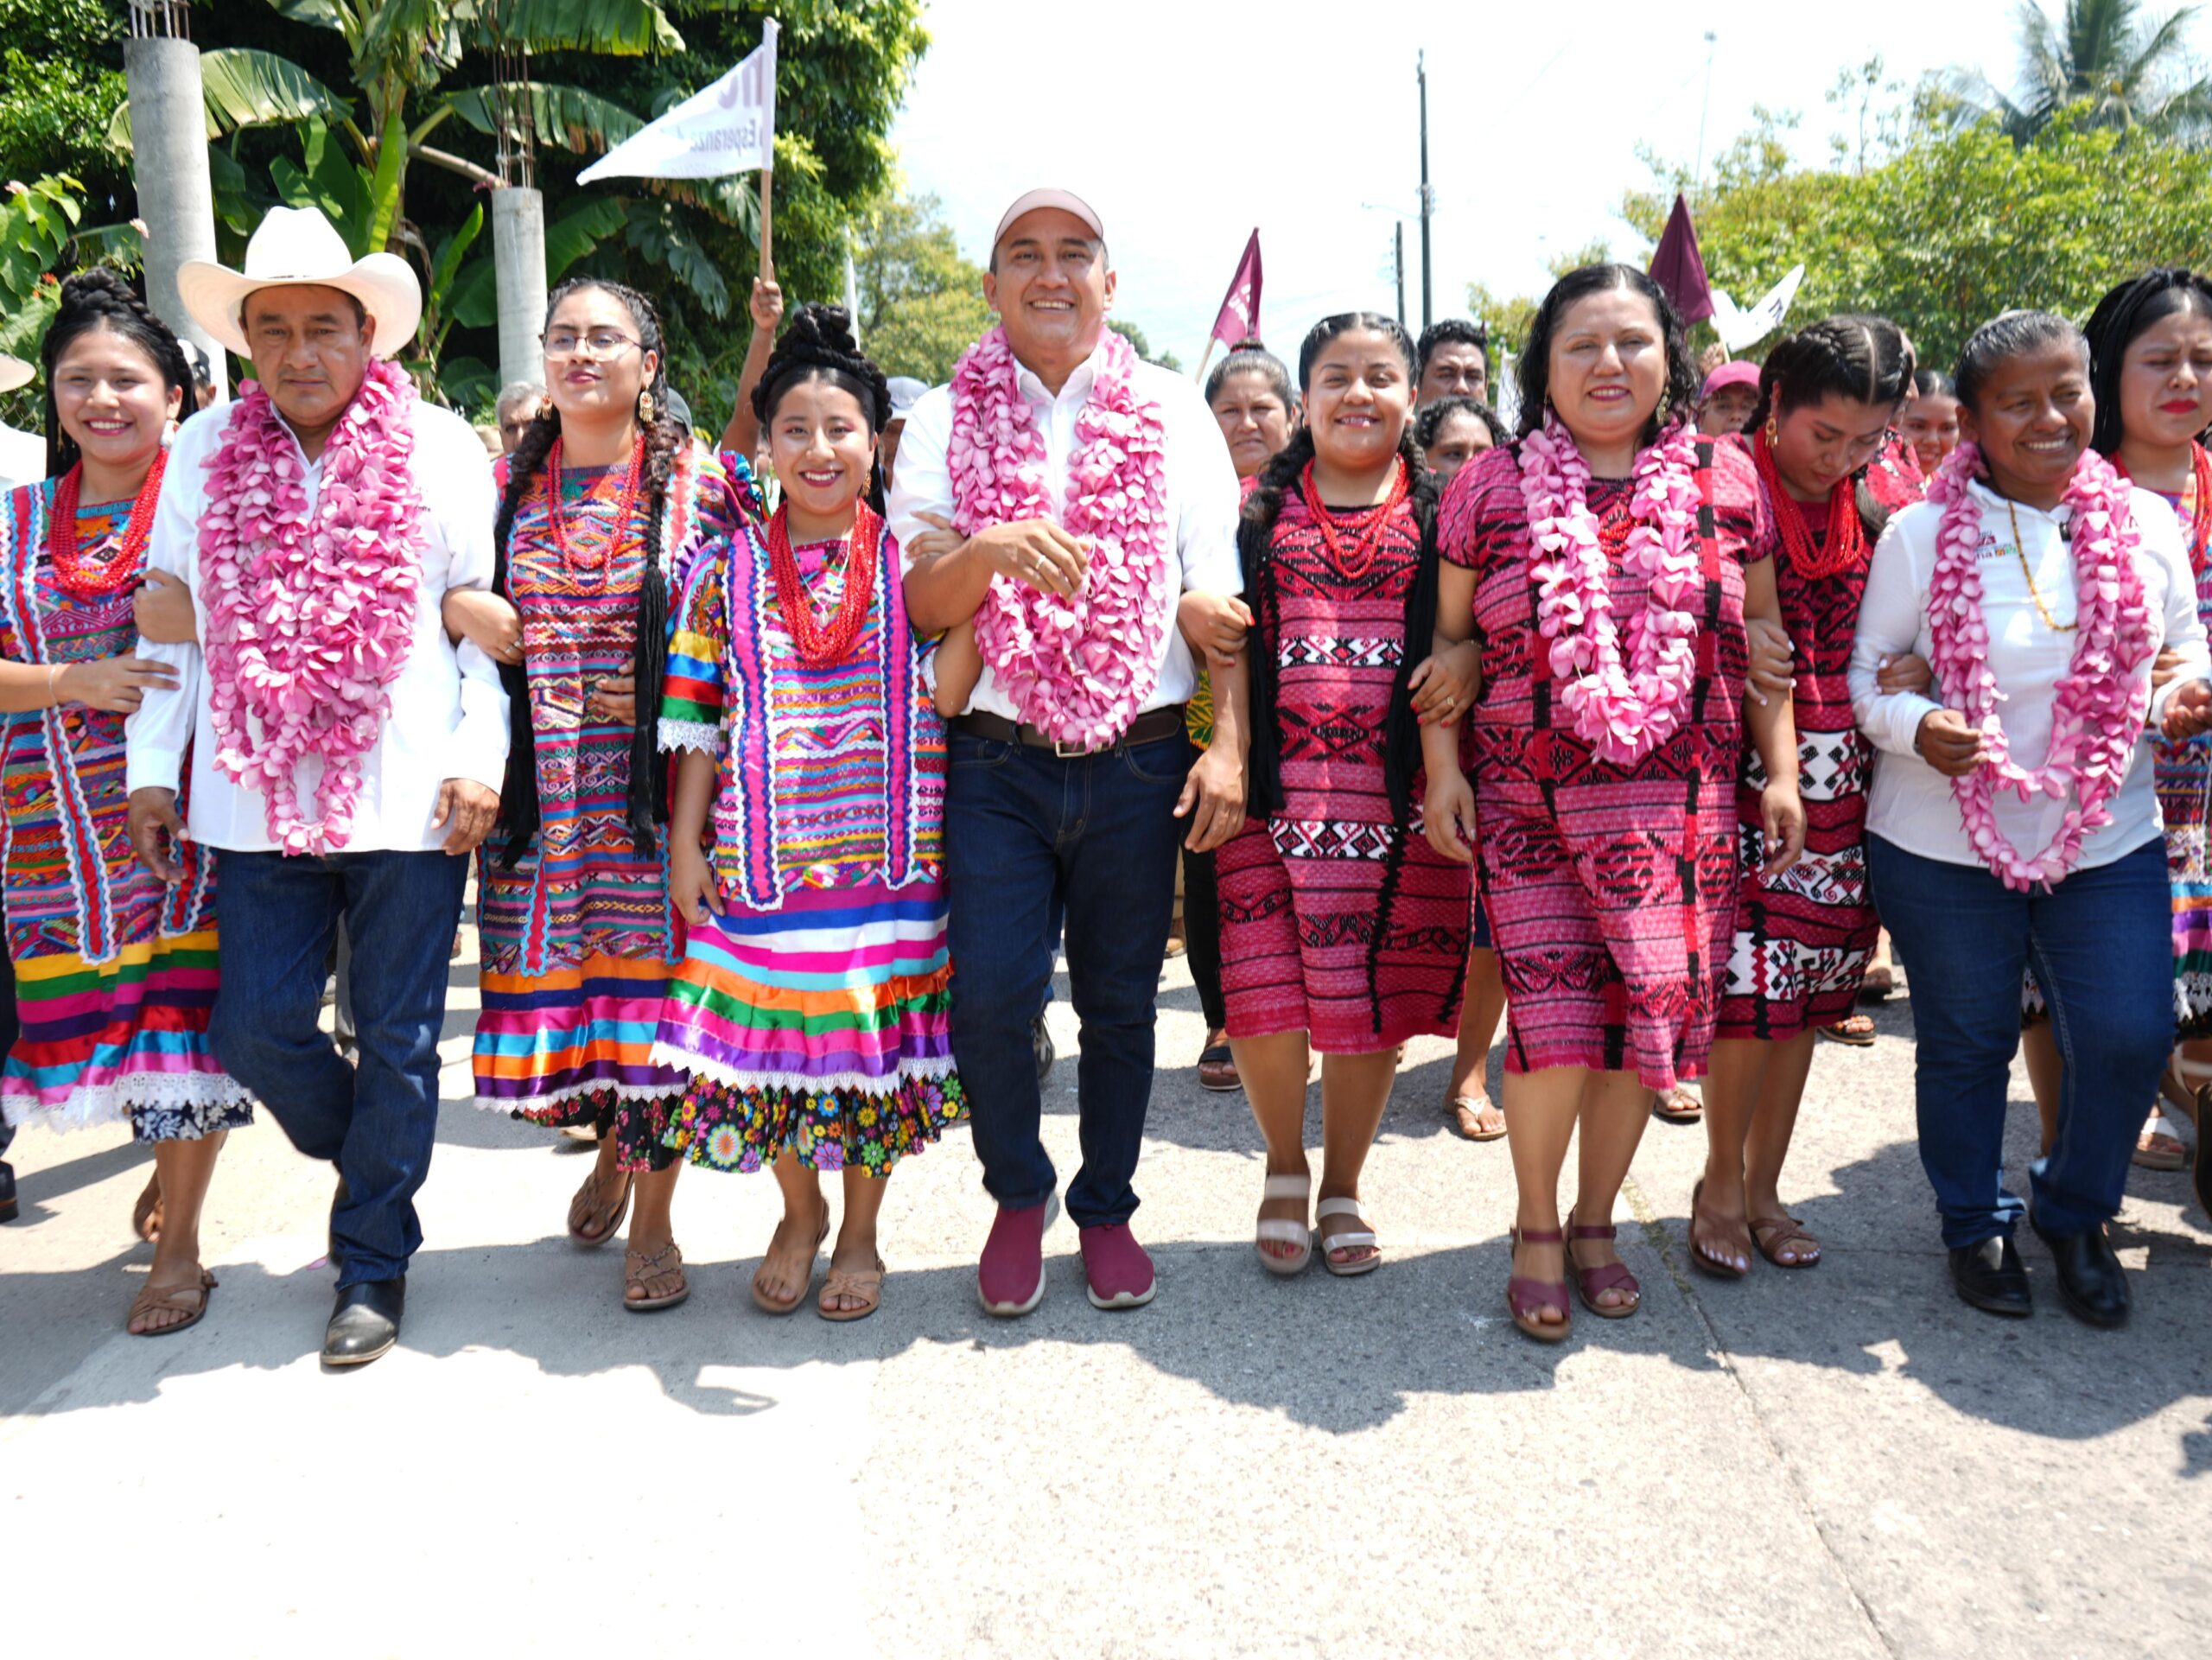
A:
(1841, 1462)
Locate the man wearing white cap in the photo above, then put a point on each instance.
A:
(344, 756)
(1089, 492)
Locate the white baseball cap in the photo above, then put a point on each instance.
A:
(1067, 200)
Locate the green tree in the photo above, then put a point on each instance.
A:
(1953, 226)
(2108, 59)
(60, 77)
(921, 303)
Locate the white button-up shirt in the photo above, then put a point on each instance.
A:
(1911, 806)
(1202, 497)
(448, 715)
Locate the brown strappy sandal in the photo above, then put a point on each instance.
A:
(842, 1282)
(172, 1300)
(1719, 1268)
(1771, 1234)
(652, 1266)
(580, 1209)
(768, 1302)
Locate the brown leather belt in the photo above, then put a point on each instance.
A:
(1150, 727)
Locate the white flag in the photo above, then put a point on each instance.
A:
(1508, 403)
(729, 128)
(1740, 329)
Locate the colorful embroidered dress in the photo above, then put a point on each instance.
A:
(815, 1010)
(1802, 938)
(115, 972)
(1611, 890)
(578, 939)
(2183, 772)
(1337, 919)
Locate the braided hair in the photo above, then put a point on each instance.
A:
(817, 344)
(1401, 756)
(98, 298)
(666, 439)
(1865, 359)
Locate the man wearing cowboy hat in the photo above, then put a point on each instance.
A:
(23, 455)
(344, 756)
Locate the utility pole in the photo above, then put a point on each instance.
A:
(518, 213)
(1427, 192)
(1705, 110)
(168, 169)
(1400, 263)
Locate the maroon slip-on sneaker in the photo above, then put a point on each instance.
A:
(1117, 1271)
(1010, 1279)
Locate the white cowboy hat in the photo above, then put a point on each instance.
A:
(15, 373)
(297, 247)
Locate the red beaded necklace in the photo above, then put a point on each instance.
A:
(1844, 547)
(2200, 478)
(590, 563)
(1366, 529)
(821, 644)
(89, 577)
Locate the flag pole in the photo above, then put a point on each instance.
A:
(1205, 356)
(767, 224)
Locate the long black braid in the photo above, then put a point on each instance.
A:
(1402, 754)
(665, 440)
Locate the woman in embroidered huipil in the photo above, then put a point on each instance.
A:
(115, 970)
(812, 1004)
(601, 504)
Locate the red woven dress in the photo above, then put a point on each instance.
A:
(1611, 890)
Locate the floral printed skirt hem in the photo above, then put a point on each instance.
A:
(639, 1124)
(727, 1127)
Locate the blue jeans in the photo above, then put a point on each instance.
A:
(2102, 946)
(375, 1120)
(1022, 830)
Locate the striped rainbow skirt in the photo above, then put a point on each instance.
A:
(126, 1039)
(821, 1028)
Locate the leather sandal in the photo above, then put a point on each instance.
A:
(865, 1284)
(652, 1266)
(1677, 1105)
(190, 1301)
(2157, 1147)
(1218, 1066)
(769, 1303)
(1775, 1234)
(1467, 1112)
(1281, 1230)
(1360, 1239)
(1719, 1268)
(1609, 1276)
(580, 1209)
(146, 1214)
(1857, 1030)
(1525, 1296)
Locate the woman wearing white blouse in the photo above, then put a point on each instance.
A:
(1992, 846)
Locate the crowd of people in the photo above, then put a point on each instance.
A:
(786, 766)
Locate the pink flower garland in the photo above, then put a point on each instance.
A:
(1077, 668)
(1624, 710)
(2097, 710)
(308, 618)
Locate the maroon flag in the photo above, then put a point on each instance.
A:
(1678, 267)
(1240, 310)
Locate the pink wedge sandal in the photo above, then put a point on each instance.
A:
(1526, 1297)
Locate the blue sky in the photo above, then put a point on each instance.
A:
(1188, 122)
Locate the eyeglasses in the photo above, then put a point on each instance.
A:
(600, 343)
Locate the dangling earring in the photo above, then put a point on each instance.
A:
(1773, 432)
(1666, 402)
(645, 407)
(544, 411)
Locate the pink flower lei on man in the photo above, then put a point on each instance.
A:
(2099, 707)
(1077, 668)
(1624, 708)
(307, 617)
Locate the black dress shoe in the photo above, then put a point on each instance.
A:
(1989, 1276)
(2091, 1282)
(365, 1322)
(7, 1193)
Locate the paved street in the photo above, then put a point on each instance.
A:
(1838, 1463)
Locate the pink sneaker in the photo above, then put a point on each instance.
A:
(1011, 1277)
(1118, 1272)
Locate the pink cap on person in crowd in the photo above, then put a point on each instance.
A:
(1067, 200)
(1740, 372)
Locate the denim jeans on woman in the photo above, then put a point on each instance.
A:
(375, 1120)
(2102, 947)
(1023, 826)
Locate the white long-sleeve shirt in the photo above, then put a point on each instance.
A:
(1201, 497)
(1911, 806)
(449, 715)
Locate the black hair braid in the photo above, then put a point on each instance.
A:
(1255, 530)
(666, 439)
(98, 298)
(519, 804)
(817, 344)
